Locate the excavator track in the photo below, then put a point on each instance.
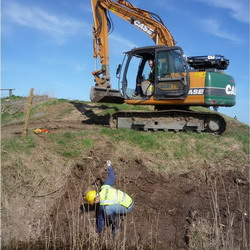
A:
(169, 120)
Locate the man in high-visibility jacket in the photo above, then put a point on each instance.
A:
(112, 202)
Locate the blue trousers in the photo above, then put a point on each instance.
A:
(113, 213)
(117, 209)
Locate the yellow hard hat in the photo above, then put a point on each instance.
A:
(90, 196)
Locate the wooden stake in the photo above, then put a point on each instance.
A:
(28, 110)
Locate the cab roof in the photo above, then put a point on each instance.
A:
(149, 49)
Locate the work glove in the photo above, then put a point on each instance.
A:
(109, 164)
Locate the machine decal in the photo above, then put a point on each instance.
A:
(196, 91)
(230, 90)
(200, 74)
(165, 86)
(143, 27)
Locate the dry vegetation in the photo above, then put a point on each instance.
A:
(191, 189)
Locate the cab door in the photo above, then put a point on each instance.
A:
(171, 74)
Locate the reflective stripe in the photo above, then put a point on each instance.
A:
(124, 197)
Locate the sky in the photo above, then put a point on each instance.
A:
(47, 45)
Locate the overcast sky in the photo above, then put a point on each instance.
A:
(47, 45)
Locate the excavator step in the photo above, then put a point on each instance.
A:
(171, 120)
(105, 95)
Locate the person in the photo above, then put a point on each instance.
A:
(112, 202)
(138, 91)
(216, 108)
(151, 76)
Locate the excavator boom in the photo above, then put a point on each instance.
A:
(148, 22)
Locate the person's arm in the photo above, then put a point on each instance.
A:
(111, 177)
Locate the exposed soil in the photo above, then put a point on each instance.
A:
(165, 210)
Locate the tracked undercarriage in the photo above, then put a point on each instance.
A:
(170, 120)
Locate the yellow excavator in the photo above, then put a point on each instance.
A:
(172, 83)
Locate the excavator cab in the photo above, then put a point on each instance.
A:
(167, 79)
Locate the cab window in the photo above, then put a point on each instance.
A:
(169, 62)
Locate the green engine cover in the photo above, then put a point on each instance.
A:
(219, 89)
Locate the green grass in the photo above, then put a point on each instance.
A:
(14, 113)
(71, 154)
(244, 139)
(46, 104)
(167, 146)
(87, 143)
(7, 116)
(70, 144)
(67, 144)
(18, 144)
(65, 112)
(145, 141)
(164, 146)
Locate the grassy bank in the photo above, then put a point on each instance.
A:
(15, 113)
(43, 176)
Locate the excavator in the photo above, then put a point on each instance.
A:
(177, 82)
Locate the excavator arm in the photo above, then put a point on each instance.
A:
(100, 43)
(146, 21)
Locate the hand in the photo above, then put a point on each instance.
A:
(109, 163)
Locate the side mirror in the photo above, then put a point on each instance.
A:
(118, 70)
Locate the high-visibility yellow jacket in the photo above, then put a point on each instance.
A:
(111, 196)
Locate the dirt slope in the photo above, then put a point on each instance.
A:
(166, 210)
(191, 209)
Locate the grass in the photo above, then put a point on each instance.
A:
(71, 153)
(145, 141)
(216, 230)
(18, 145)
(72, 145)
(64, 112)
(12, 113)
(178, 146)
(173, 154)
(40, 164)
(87, 143)
(46, 104)
(244, 139)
